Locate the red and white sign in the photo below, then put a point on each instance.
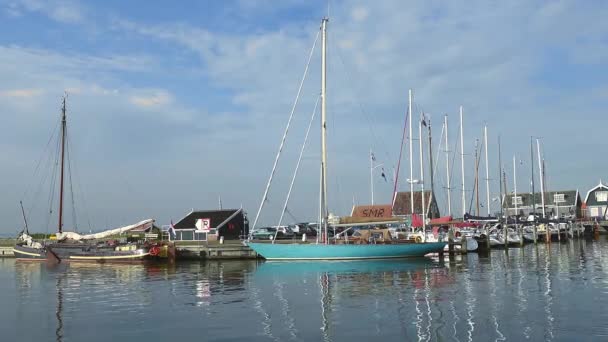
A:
(203, 224)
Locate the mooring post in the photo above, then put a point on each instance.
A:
(451, 240)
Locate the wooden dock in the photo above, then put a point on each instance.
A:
(214, 251)
(6, 252)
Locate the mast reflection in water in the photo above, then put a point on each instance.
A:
(553, 292)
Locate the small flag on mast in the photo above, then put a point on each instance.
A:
(383, 175)
(373, 156)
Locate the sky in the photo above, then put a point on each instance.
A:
(174, 105)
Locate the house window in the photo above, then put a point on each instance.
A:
(559, 198)
(517, 200)
(601, 196)
(185, 235)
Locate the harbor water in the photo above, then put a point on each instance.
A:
(554, 292)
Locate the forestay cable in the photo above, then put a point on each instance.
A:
(293, 109)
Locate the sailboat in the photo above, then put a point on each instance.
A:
(337, 249)
(71, 246)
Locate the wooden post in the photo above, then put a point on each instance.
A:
(463, 245)
(451, 240)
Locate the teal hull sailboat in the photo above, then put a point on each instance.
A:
(294, 251)
(325, 248)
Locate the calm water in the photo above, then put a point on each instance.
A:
(557, 292)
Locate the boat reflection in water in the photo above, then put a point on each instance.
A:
(349, 291)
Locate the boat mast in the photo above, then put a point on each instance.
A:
(63, 129)
(464, 205)
(515, 191)
(371, 173)
(422, 174)
(542, 183)
(485, 135)
(411, 156)
(476, 178)
(324, 125)
(447, 165)
(428, 122)
(532, 181)
(500, 178)
(27, 231)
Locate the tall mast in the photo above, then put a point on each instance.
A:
(542, 174)
(24, 219)
(515, 191)
(447, 165)
(464, 204)
(485, 136)
(500, 177)
(371, 173)
(428, 122)
(532, 181)
(422, 173)
(411, 155)
(324, 124)
(63, 129)
(476, 178)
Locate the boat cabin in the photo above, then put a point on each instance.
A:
(210, 225)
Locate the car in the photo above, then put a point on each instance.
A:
(284, 232)
(266, 233)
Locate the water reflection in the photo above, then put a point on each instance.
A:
(544, 292)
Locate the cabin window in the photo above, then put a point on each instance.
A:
(601, 196)
(200, 236)
(517, 200)
(559, 198)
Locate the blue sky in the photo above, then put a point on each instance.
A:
(171, 106)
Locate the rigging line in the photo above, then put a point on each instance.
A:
(69, 159)
(295, 173)
(293, 109)
(53, 181)
(41, 158)
(48, 164)
(476, 181)
(362, 108)
(80, 193)
(47, 158)
(403, 140)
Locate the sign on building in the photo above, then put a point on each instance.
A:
(203, 225)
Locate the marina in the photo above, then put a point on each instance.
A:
(303, 171)
(539, 292)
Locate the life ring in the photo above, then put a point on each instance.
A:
(154, 251)
(418, 239)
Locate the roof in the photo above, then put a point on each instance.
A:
(216, 217)
(402, 204)
(591, 200)
(571, 198)
(378, 210)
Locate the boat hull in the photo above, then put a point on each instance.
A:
(28, 253)
(279, 251)
(91, 253)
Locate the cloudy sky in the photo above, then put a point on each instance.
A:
(172, 105)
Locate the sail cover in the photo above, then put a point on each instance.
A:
(143, 225)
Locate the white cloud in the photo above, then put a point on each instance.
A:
(64, 11)
(359, 14)
(156, 99)
(21, 93)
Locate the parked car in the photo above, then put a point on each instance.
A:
(265, 233)
(284, 232)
